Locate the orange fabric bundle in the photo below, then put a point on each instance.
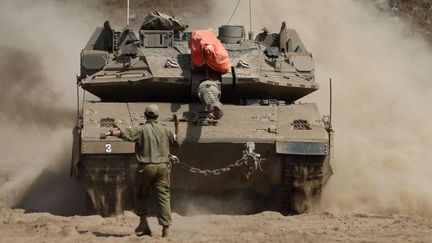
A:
(207, 49)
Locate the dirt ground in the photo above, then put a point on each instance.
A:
(16, 226)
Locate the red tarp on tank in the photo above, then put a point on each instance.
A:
(207, 49)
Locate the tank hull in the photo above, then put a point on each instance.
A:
(287, 151)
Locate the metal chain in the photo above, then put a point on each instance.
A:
(250, 160)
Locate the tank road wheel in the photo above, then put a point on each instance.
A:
(105, 185)
(302, 183)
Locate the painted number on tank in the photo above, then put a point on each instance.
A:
(108, 148)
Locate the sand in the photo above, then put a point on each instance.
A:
(17, 226)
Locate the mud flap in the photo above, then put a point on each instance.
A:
(76, 151)
(302, 183)
(327, 168)
(105, 181)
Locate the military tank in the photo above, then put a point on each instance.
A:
(240, 129)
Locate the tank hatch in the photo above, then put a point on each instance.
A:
(231, 34)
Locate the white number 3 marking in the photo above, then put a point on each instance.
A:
(108, 148)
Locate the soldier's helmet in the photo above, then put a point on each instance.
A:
(151, 110)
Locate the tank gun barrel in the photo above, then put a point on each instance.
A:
(209, 93)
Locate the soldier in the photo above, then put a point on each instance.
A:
(152, 171)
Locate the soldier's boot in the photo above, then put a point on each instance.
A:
(165, 231)
(143, 227)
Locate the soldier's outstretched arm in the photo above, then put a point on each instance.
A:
(176, 124)
(131, 134)
(115, 133)
(174, 137)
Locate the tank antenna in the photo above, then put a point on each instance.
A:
(251, 34)
(331, 102)
(235, 10)
(250, 16)
(127, 13)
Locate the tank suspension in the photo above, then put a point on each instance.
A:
(209, 93)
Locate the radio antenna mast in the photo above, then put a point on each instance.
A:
(251, 34)
(331, 101)
(250, 15)
(127, 13)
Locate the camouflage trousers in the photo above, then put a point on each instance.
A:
(157, 178)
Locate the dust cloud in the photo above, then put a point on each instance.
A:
(27, 99)
(382, 88)
(39, 57)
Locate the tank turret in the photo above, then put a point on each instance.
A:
(157, 66)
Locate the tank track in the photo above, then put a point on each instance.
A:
(105, 182)
(302, 183)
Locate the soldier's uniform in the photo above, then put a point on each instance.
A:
(153, 140)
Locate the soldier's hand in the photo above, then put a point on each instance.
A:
(103, 135)
(176, 120)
